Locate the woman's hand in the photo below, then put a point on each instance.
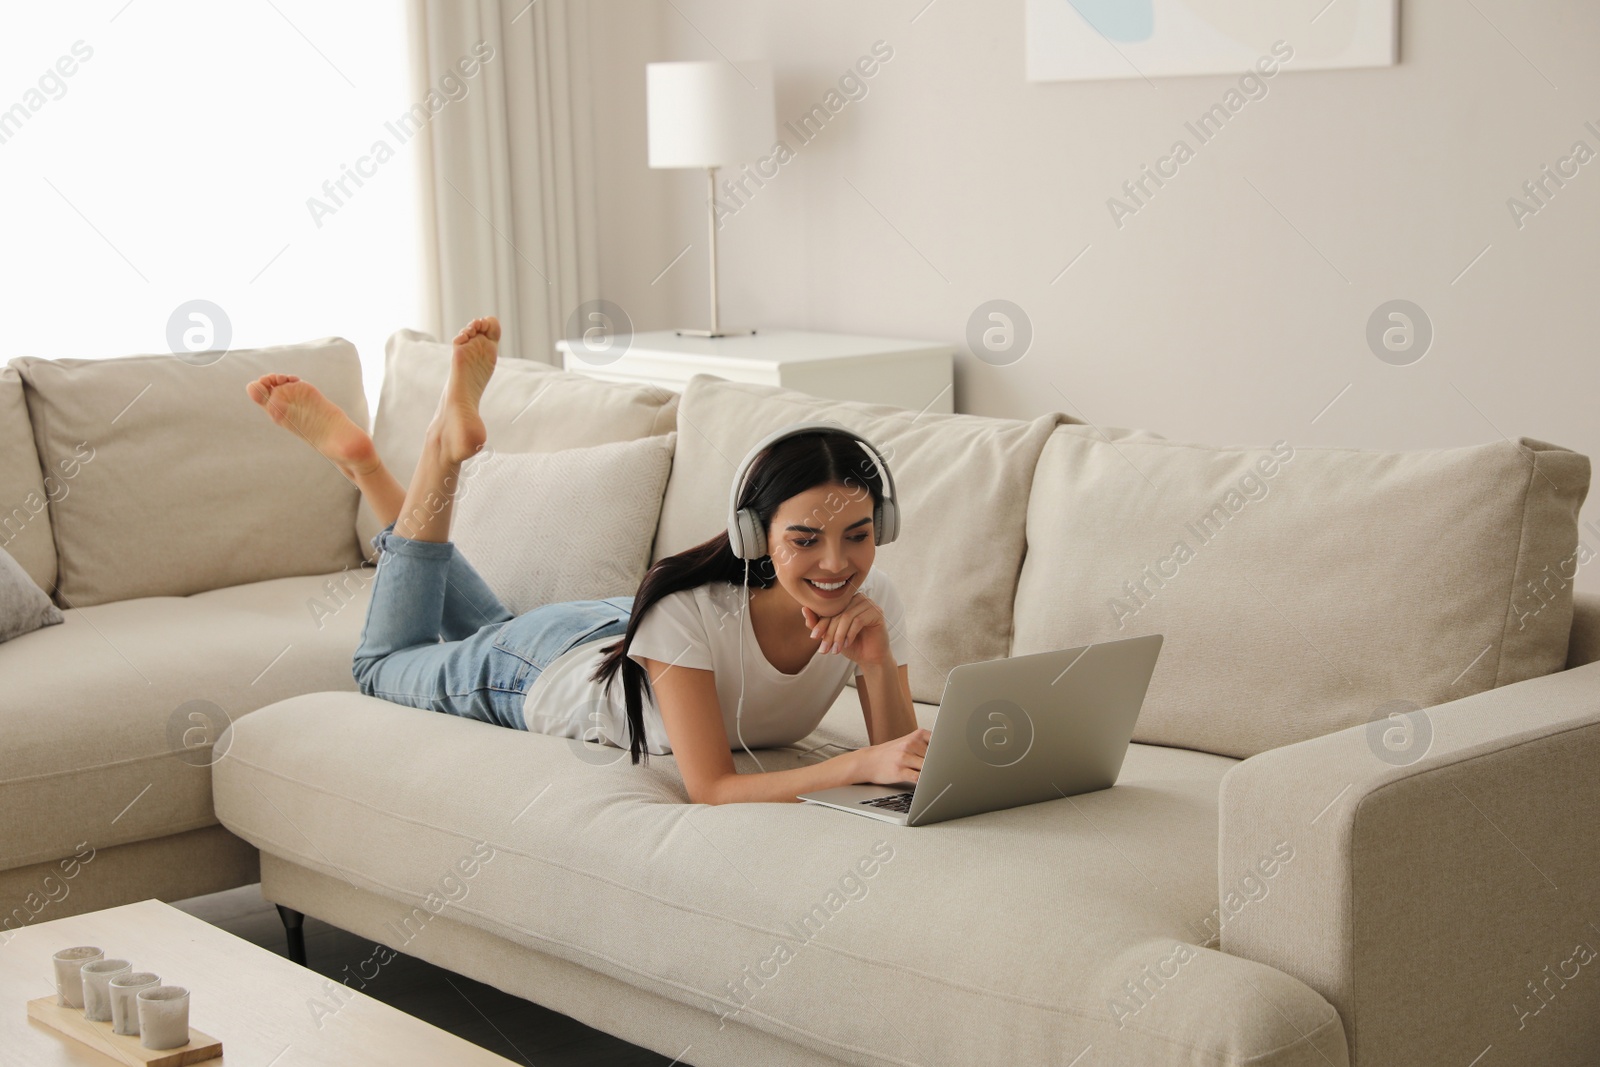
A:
(859, 632)
(894, 761)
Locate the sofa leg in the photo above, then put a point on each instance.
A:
(293, 933)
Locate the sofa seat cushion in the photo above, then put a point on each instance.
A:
(109, 716)
(1024, 929)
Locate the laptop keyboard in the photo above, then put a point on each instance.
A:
(893, 802)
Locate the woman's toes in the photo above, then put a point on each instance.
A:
(261, 389)
(487, 326)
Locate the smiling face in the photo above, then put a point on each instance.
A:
(823, 535)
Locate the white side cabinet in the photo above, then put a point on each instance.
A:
(880, 370)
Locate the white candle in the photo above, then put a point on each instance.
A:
(69, 978)
(163, 1016)
(124, 1007)
(97, 975)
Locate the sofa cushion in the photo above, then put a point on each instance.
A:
(1302, 590)
(963, 482)
(529, 407)
(230, 499)
(548, 527)
(1022, 929)
(1584, 645)
(24, 495)
(109, 717)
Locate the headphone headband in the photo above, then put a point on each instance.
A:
(746, 535)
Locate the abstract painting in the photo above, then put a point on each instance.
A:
(1087, 40)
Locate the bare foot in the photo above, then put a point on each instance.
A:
(461, 430)
(301, 407)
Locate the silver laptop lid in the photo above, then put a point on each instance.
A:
(1030, 728)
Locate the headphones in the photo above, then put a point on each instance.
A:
(748, 538)
(746, 535)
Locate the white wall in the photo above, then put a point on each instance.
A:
(1208, 315)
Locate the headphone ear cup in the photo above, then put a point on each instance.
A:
(752, 538)
(758, 537)
(887, 521)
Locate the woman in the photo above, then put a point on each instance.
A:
(437, 638)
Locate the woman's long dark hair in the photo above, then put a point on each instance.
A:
(785, 469)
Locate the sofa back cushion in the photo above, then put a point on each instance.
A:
(963, 484)
(1584, 645)
(178, 482)
(25, 492)
(529, 407)
(1302, 590)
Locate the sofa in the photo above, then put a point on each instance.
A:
(1352, 827)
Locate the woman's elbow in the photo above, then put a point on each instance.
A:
(709, 793)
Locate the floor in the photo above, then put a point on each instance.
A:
(519, 1030)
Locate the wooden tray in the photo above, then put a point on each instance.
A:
(120, 1047)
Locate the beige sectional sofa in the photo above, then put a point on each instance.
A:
(1354, 826)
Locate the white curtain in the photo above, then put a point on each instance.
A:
(507, 187)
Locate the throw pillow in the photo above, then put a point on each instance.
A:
(25, 489)
(546, 527)
(530, 406)
(23, 605)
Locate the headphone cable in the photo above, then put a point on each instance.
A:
(738, 715)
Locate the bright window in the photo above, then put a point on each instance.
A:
(155, 152)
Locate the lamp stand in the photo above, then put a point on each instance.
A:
(711, 210)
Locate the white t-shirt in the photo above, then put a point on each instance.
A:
(701, 628)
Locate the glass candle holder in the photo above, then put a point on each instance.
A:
(124, 1007)
(163, 1016)
(97, 975)
(69, 978)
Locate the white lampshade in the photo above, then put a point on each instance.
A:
(709, 114)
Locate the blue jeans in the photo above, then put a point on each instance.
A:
(436, 637)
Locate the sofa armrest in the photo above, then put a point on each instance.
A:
(1442, 905)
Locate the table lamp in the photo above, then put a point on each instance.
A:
(710, 115)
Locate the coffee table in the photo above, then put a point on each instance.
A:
(264, 1009)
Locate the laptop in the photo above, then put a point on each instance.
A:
(1018, 731)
